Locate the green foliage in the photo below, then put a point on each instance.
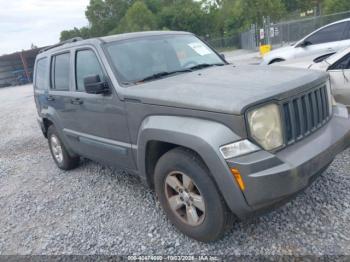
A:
(137, 18)
(183, 15)
(212, 18)
(333, 6)
(83, 32)
(104, 15)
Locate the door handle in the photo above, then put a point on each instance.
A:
(50, 98)
(77, 101)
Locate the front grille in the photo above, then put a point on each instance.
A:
(305, 114)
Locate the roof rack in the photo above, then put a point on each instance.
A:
(69, 41)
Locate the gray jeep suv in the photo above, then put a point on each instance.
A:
(214, 140)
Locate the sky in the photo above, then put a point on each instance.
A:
(38, 22)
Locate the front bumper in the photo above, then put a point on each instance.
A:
(272, 178)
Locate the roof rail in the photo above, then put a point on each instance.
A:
(72, 40)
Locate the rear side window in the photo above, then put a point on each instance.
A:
(329, 34)
(60, 72)
(41, 74)
(87, 64)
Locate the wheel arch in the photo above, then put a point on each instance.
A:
(276, 60)
(159, 134)
(46, 124)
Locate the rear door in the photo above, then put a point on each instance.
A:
(101, 124)
(327, 40)
(59, 96)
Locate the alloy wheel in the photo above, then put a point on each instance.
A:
(184, 198)
(56, 148)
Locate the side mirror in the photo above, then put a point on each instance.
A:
(223, 56)
(94, 85)
(304, 44)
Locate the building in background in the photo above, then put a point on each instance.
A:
(17, 68)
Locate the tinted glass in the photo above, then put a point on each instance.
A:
(136, 59)
(329, 34)
(347, 33)
(343, 64)
(61, 72)
(40, 76)
(87, 64)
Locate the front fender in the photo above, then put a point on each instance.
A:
(205, 138)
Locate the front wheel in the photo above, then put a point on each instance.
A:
(189, 196)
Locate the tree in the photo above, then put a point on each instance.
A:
(183, 15)
(237, 18)
(333, 6)
(214, 18)
(83, 32)
(137, 18)
(105, 15)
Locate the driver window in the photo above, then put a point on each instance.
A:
(87, 64)
(329, 34)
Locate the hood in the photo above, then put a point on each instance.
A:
(305, 62)
(225, 89)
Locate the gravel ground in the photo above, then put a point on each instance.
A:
(95, 210)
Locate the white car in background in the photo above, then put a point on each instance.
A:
(338, 67)
(330, 38)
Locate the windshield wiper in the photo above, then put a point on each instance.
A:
(162, 74)
(201, 66)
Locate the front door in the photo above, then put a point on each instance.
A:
(102, 129)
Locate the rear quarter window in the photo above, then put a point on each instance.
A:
(41, 74)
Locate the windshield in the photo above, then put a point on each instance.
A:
(150, 58)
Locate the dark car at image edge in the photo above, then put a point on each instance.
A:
(215, 141)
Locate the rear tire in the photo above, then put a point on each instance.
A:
(189, 196)
(59, 152)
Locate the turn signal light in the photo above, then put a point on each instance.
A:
(237, 175)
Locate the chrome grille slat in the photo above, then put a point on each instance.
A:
(305, 114)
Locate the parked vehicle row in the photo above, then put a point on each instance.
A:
(327, 39)
(215, 141)
(327, 50)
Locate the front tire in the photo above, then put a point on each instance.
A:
(189, 196)
(59, 152)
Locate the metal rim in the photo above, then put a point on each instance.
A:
(56, 148)
(184, 198)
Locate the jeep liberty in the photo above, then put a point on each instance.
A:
(214, 140)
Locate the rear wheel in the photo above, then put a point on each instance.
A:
(58, 151)
(189, 196)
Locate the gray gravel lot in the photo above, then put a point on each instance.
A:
(95, 210)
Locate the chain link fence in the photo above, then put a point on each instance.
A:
(288, 32)
(225, 43)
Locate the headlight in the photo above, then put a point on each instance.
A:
(265, 126)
